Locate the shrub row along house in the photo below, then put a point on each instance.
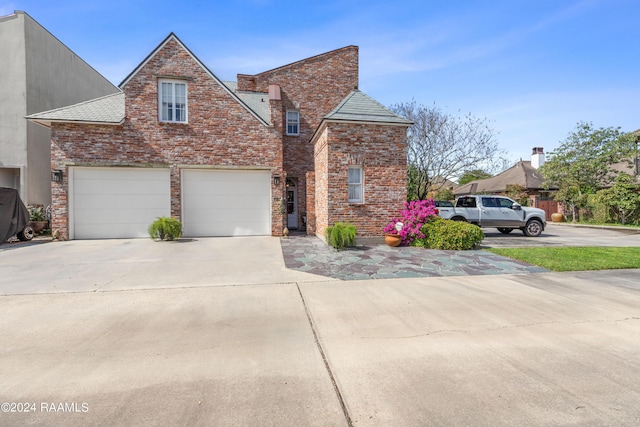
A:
(297, 146)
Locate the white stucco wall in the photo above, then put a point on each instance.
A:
(13, 101)
(43, 74)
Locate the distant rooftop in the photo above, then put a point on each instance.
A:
(522, 173)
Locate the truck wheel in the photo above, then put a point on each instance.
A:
(505, 230)
(26, 234)
(533, 228)
(458, 218)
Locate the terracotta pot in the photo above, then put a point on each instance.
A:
(392, 240)
(557, 217)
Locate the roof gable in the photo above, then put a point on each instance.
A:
(172, 37)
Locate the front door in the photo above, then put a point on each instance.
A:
(292, 204)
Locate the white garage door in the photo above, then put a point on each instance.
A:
(117, 202)
(226, 202)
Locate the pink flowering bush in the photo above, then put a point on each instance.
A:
(414, 215)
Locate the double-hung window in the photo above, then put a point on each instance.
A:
(172, 101)
(293, 123)
(355, 184)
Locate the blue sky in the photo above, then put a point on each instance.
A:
(532, 68)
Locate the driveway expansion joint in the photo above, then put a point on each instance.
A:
(343, 405)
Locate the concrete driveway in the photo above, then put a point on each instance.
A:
(125, 264)
(219, 332)
(564, 234)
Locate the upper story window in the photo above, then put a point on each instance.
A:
(355, 184)
(293, 123)
(172, 101)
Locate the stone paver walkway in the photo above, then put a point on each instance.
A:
(311, 255)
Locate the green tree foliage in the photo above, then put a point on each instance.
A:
(442, 146)
(518, 193)
(582, 164)
(443, 194)
(472, 175)
(623, 197)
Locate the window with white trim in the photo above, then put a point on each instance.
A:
(293, 122)
(355, 184)
(172, 101)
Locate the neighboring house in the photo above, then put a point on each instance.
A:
(297, 146)
(38, 73)
(525, 174)
(439, 184)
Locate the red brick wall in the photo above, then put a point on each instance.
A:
(381, 151)
(219, 132)
(321, 156)
(311, 203)
(313, 86)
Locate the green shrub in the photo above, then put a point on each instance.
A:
(36, 213)
(600, 212)
(449, 235)
(342, 234)
(165, 228)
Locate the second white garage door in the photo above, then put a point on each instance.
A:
(226, 202)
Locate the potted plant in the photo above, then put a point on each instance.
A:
(407, 227)
(37, 219)
(394, 239)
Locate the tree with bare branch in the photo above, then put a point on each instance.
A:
(442, 147)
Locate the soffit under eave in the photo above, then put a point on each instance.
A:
(48, 122)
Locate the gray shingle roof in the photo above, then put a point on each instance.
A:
(107, 109)
(360, 107)
(256, 101)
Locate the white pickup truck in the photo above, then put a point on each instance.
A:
(496, 211)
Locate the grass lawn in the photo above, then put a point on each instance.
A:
(575, 258)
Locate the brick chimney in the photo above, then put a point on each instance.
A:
(537, 157)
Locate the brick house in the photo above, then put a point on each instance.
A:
(297, 146)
